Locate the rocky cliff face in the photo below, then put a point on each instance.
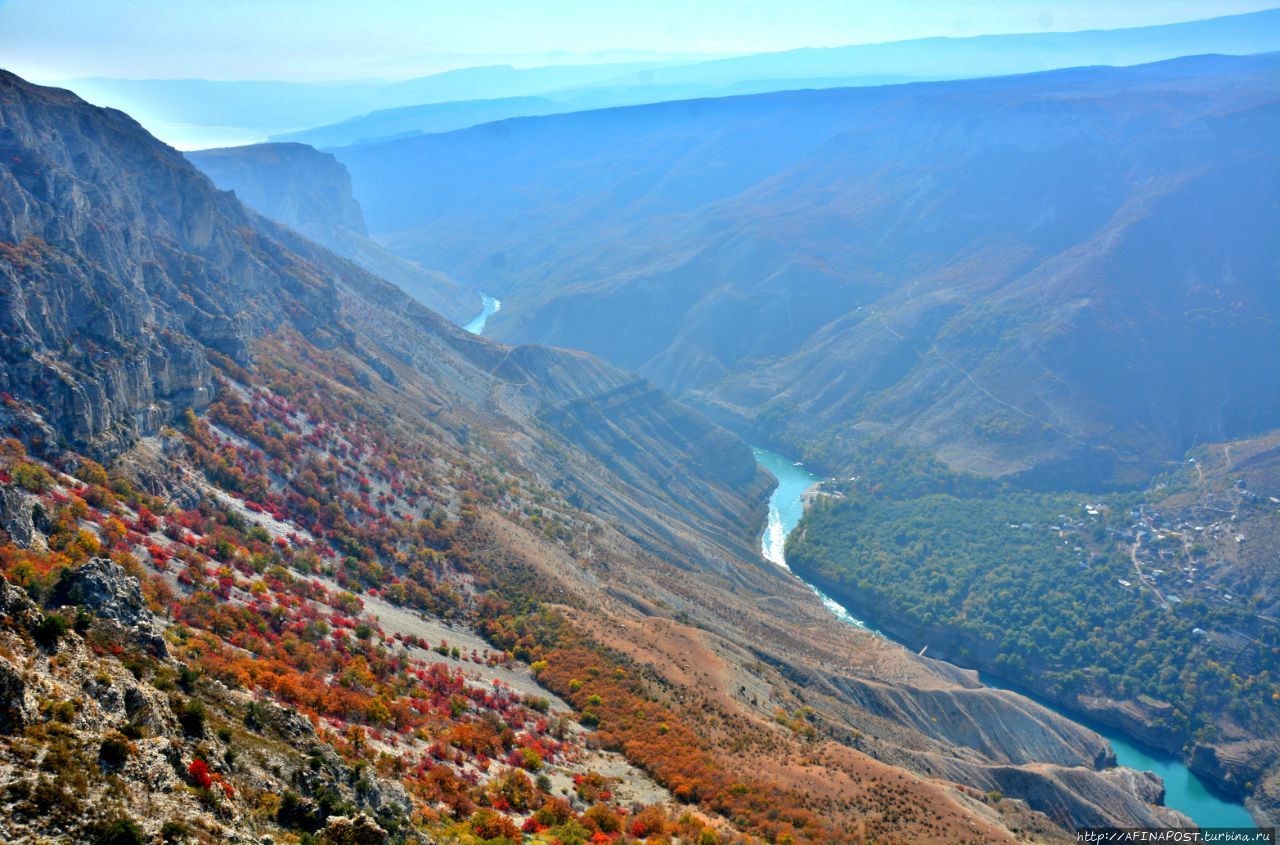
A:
(293, 184)
(103, 588)
(310, 191)
(119, 274)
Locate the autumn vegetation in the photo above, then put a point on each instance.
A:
(262, 584)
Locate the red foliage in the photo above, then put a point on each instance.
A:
(198, 771)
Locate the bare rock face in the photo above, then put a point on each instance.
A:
(1232, 765)
(15, 704)
(153, 465)
(294, 184)
(111, 593)
(16, 518)
(120, 272)
(17, 606)
(289, 725)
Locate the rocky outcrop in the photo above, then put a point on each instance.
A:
(17, 608)
(1075, 797)
(154, 466)
(17, 519)
(15, 704)
(361, 830)
(1001, 725)
(289, 725)
(291, 183)
(112, 594)
(1234, 767)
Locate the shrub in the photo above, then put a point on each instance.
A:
(32, 477)
(113, 753)
(174, 831)
(651, 821)
(191, 716)
(84, 620)
(64, 711)
(198, 771)
(488, 824)
(116, 832)
(554, 812)
(49, 630)
(297, 814)
(600, 817)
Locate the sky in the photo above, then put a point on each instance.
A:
(310, 40)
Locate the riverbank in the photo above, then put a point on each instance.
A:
(786, 507)
(1184, 791)
(1193, 792)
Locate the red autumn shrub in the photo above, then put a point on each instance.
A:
(198, 771)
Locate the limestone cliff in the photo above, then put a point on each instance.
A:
(122, 269)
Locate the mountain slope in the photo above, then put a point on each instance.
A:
(308, 190)
(363, 479)
(1013, 273)
(119, 271)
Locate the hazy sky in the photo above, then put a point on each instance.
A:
(330, 39)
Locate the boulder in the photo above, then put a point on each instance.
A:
(360, 830)
(17, 520)
(15, 704)
(114, 595)
(18, 606)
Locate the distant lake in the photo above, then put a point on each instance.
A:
(1183, 790)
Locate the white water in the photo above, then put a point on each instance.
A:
(786, 506)
(491, 306)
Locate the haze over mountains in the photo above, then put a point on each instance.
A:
(1046, 273)
(201, 113)
(310, 192)
(284, 551)
(137, 292)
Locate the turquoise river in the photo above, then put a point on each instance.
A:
(1183, 790)
(491, 306)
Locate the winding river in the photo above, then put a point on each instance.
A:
(1183, 790)
(491, 306)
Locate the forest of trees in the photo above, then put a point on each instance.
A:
(1029, 586)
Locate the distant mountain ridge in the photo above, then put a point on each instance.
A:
(187, 111)
(310, 191)
(1038, 274)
